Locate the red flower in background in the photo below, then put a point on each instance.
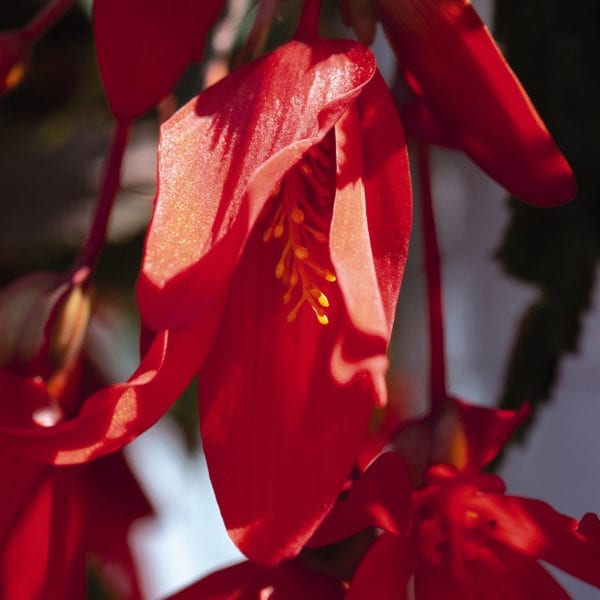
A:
(467, 539)
(466, 94)
(280, 233)
(143, 47)
(52, 518)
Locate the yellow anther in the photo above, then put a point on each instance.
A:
(319, 236)
(322, 318)
(301, 253)
(297, 215)
(299, 202)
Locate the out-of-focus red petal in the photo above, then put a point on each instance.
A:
(220, 157)
(42, 557)
(289, 581)
(380, 497)
(385, 571)
(267, 386)
(113, 501)
(115, 415)
(536, 529)
(452, 61)
(143, 47)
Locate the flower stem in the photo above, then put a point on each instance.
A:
(45, 19)
(90, 253)
(308, 26)
(437, 357)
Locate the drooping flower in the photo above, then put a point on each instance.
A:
(282, 216)
(466, 94)
(53, 516)
(144, 46)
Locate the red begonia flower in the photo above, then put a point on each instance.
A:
(467, 539)
(44, 412)
(143, 47)
(286, 179)
(455, 68)
(288, 581)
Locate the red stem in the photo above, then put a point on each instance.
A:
(45, 19)
(437, 357)
(308, 26)
(90, 253)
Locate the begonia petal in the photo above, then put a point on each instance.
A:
(279, 433)
(143, 47)
(381, 497)
(113, 502)
(452, 61)
(385, 571)
(536, 529)
(43, 557)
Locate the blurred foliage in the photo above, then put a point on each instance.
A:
(554, 48)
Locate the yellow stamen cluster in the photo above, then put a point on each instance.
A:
(297, 222)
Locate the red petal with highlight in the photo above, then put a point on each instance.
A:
(215, 172)
(113, 416)
(143, 47)
(452, 61)
(280, 435)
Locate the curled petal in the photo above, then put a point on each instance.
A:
(113, 416)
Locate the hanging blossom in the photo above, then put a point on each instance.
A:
(280, 234)
(465, 95)
(57, 517)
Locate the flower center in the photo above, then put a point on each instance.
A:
(301, 219)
